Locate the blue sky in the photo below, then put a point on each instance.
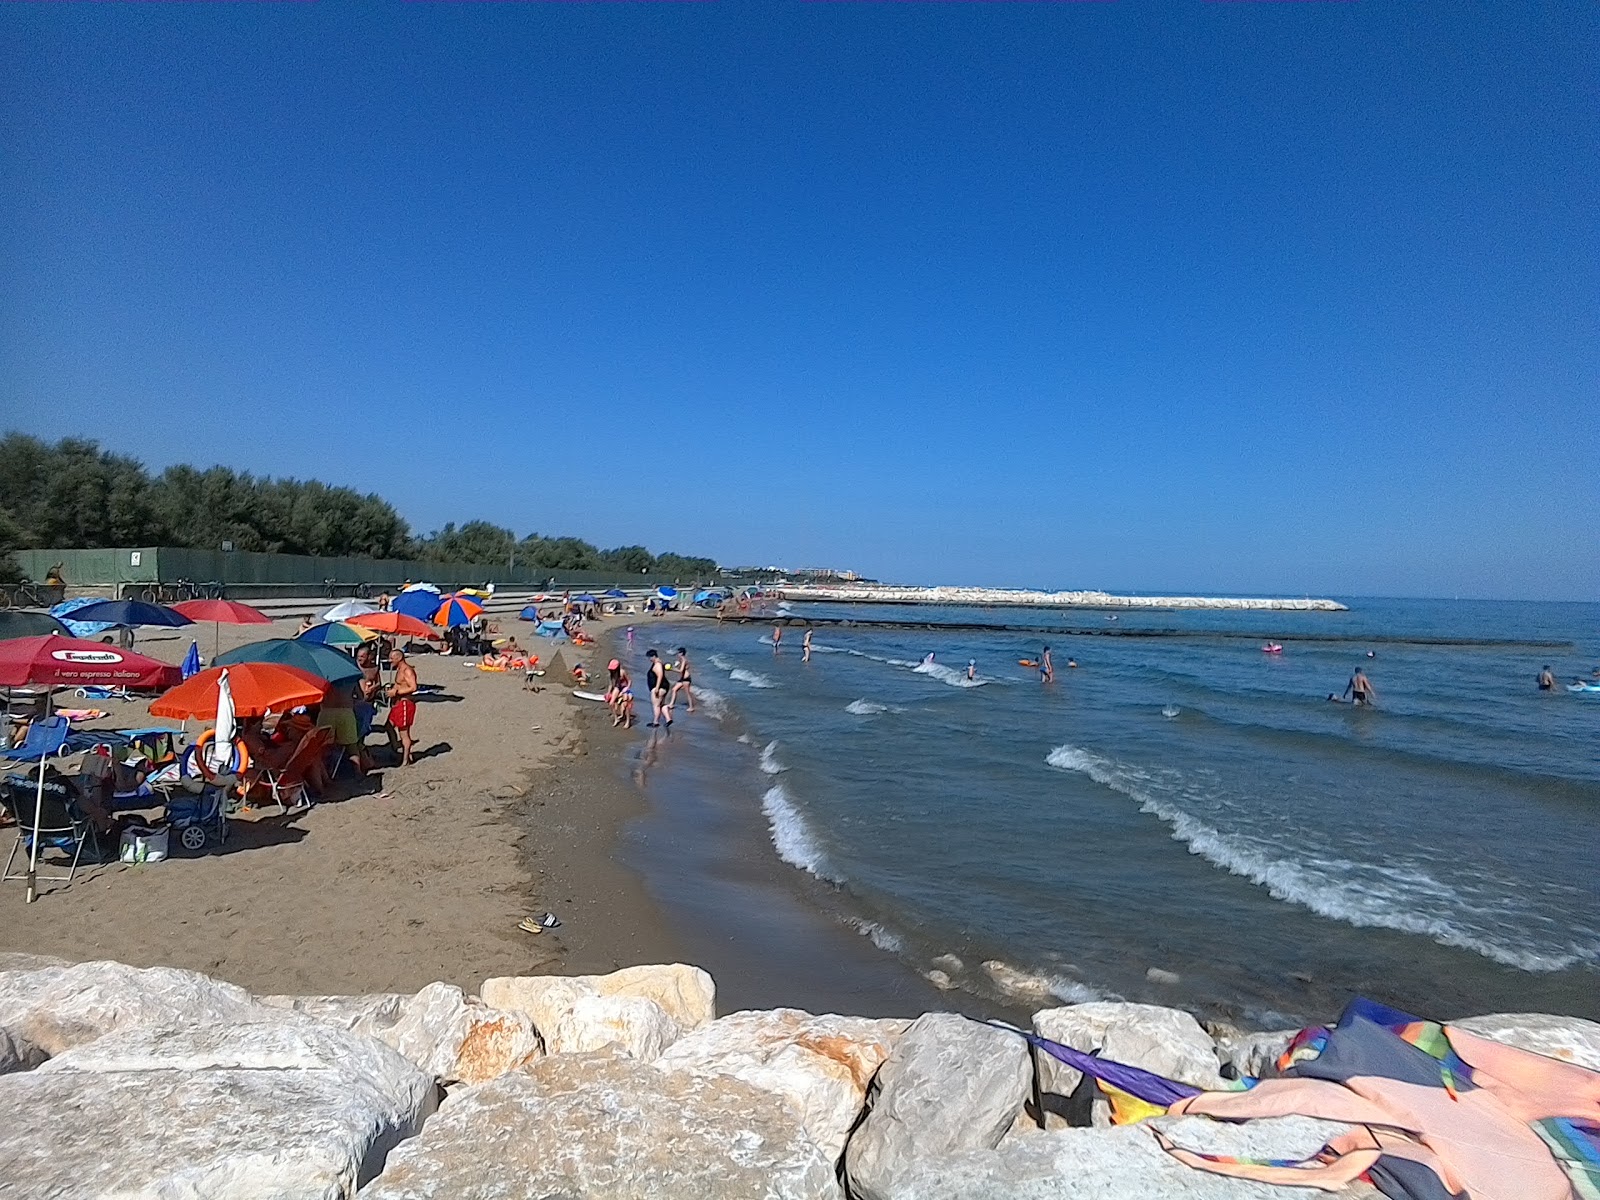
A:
(1295, 297)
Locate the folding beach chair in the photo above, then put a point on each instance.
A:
(289, 781)
(60, 826)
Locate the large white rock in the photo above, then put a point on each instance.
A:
(686, 994)
(950, 1084)
(1120, 1164)
(1164, 1040)
(279, 1109)
(453, 1037)
(581, 1126)
(635, 1026)
(820, 1065)
(1571, 1039)
(49, 1009)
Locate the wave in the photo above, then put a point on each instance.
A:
(1025, 985)
(720, 663)
(866, 708)
(946, 674)
(1360, 894)
(714, 703)
(880, 937)
(769, 760)
(791, 836)
(753, 679)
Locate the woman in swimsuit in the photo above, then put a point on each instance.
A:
(659, 688)
(683, 683)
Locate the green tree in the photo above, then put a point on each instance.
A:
(635, 560)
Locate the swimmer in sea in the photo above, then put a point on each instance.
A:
(1360, 689)
(1547, 681)
(1047, 670)
(805, 646)
(972, 668)
(1072, 664)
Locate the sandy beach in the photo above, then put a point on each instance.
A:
(409, 876)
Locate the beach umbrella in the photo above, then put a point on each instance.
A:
(255, 689)
(55, 661)
(16, 624)
(220, 613)
(667, 593)
(586, 598)
(191, 661)
(456, 610)
(617, 594)
(531, 613)
(346, 609)
(420, 587)
(393, 622)
(333, 665)
(337, 633)
(130, 613)
(82, 629)
(421, 605)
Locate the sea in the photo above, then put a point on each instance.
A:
(1180, 818)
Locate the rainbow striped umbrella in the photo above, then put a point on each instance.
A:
(456, 610)
(338, 634)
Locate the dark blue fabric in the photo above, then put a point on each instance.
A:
(1404, 1179)
(129, 612)
(1357, 1047)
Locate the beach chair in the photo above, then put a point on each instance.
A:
(60, 825)
(289, 781)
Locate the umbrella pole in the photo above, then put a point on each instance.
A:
(38, 820)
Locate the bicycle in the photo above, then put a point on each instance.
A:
(24, 594)
(362, 591)
(329, 588)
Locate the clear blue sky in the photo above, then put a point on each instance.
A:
(1297, 297)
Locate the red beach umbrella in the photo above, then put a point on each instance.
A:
(220, 613)
(56, 661)
(258, 688)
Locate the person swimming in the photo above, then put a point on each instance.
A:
(972, 668)
(1547, 681)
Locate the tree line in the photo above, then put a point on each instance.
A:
(73, 494)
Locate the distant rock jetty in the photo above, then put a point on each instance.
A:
(1017, 598)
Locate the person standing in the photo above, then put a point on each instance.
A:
(972, 669)
(1360, 689)
(1047, 669)
(805, 646)
(1547, 681)
(657, 685)
(777, 636)
(402, 704)
(684, 681)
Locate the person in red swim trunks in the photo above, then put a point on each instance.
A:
(403, 704)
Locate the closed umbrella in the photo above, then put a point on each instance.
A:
(255, 689)
(220, 752)
(346, 609)
(333, 665)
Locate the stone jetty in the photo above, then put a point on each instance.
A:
(154, 1082)
(1017, 598)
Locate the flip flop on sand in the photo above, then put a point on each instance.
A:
(538, 924)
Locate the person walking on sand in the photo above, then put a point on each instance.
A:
(684, 681)
(1047, 669)
(805, 646)
(656, 684)
(403, 704)
(1360, 689)
(1547, 681)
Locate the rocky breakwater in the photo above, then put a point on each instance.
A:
(118, 1081)
(1016, 598)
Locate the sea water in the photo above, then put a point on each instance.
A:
(1181, 818)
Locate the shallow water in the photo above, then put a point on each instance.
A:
(1185, 802)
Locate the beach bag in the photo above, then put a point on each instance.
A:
(142, 844)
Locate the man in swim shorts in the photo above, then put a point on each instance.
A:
(403, 704)
(1547, 681)
(1360, 689)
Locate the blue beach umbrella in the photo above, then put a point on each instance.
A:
(531, 613)
(586, 598)
(130, 612)
(617, 594)
(421, 604)
(667, 593)
(80, 629)
(322, 661)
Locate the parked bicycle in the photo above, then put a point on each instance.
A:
(28, 594)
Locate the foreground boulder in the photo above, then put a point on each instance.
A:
(686, 994)
(1124, 1163)
(454, 1038)
(576, 1126)
(281, 1108)
(635, 1026)
(1167, 1041)
(949, 1085)
(1571, 1039)
(820, 1065)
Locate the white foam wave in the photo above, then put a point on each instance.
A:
(865, 708)
(1366, 895)
(769, 760)
(791, 836)
(880, 937)
(1026, 985)
(753, 679)
(720, 663)
(714, 703)
(946, 674)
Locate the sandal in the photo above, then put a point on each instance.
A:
(538, 924)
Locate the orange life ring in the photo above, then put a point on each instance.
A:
(241, 756)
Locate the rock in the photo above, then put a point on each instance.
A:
(821, 1065)
(1118, 1164)
(1164, 1040)
(1571, 1039)
(17, 1054)
(15, 960)
(1166, 978)
(452, 1037)
(950, 1084)
(49, 1009)
(637, 1027)
(686, 994)
(283, 1108)
(575, 1126)
(939, 979)
(1248, 1054)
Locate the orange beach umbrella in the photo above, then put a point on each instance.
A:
(258, 688)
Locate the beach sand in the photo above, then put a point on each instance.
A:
(421, 874)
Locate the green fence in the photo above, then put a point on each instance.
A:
(246, 574)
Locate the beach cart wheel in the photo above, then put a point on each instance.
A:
(193, 837)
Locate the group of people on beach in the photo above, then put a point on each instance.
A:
(659, 684)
